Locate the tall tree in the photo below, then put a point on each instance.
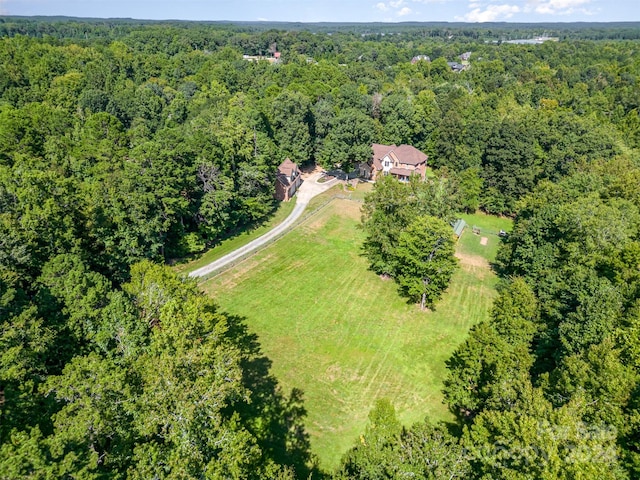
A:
(385, 214)
(291, 118)
(424, 260)
(349, 141)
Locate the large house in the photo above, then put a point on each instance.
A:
(401, 162)
(288, 179)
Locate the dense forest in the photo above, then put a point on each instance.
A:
(126, 144)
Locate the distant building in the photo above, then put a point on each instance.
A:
(420, 58)
(401, 162)
(465, 56)
(456, 67)
(288, 179)
(274, 58)
(533, 41)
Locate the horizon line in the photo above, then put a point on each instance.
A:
(300, 22)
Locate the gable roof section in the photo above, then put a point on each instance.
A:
(283, 179)
(410, 155)
(285, 172)
(287, 167)
(405, 154)
(379, 152)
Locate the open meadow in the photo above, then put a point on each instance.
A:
(343, 335)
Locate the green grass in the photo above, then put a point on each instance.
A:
(232, 243)
(359, 193)
(490, 226)
(344, 336)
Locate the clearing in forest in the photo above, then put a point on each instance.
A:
(345, 337)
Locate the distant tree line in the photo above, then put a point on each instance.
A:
(84, 28)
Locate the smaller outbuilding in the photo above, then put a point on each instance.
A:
(288, 179)
(458, 227)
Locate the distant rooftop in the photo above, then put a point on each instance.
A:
(533, 41)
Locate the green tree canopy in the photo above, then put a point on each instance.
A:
(424, 260)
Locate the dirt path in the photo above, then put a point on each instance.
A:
(309, 189)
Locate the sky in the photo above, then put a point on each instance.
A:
(337, 10)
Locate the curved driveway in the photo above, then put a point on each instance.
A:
(309, 189)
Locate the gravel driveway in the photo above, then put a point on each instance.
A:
(309, 189)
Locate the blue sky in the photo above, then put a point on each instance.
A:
(338, 10)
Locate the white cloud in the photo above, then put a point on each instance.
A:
(492, 10)
(398, 7)
(490, 13)
(554, 7)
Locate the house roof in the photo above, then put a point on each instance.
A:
(403, 154)
(417, 58)
(401, 171)
(287, 167)
(283, 179)
(410, 155)
(379, 150)
(458, 227)
(363, 166)
(286, 171)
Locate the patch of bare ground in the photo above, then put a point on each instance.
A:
(314, 224)
(472, 260)
(310, 170)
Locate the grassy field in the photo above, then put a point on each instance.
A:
(470, 243)
(343, 335)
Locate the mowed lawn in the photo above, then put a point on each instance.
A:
(341, 334)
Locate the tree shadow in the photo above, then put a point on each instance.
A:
(275, 419)
(500, 265)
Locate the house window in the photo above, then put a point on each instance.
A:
(386, 163)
